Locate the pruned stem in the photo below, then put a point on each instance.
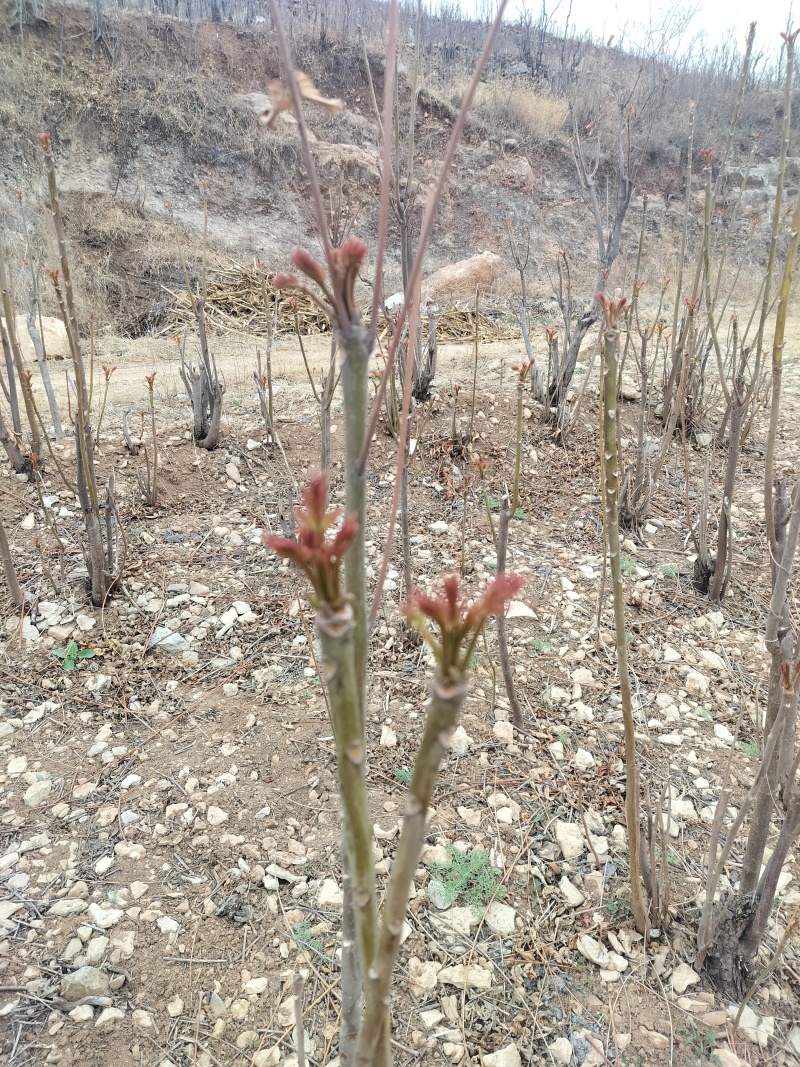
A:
(632, 804)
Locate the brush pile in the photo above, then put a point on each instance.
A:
(235, 304)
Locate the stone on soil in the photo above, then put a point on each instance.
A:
(85, 982)
(561, 1051)
(500, 918)
(570, 840)
(682, 977)
(504, 1057)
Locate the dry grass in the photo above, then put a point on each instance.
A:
(514, 108)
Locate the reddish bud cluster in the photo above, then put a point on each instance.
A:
(523, 369)
(338, 286)
(150, 378)
(459, 625)
(613, 310)
(319, 559)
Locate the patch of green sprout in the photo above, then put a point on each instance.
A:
(301, 935)
(467, 878)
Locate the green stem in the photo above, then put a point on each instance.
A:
(355, 387)
(518, 454)
(336, 628)
(447, 697)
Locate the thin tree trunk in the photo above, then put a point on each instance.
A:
(11, 379)
(502, 639)
(723, 564)
(10, 571)
(41, 358)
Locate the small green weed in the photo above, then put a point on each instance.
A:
(618, 907)
(402, 775)
(705, 713)
(301, 935)
(520, 514)
(627, 564)
(701, 1043)
(72, 655)
(750, 749)
(467, 877)
(540, 646)
(669, 570)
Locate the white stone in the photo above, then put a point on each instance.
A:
(670, 655)
(518, 610)
(422, 975)
(712, 660)
(175, 1007)
(583, 759)
(460, 742)
(129, 850)
(500, 918)
(167, 925)
(561, 1051)
(459, 920)
(104, 916)
(682, 977)
(556, 749)
(85, 622)
(756, 1028)
(430, 1018)
(471, 977)
(504, 1057)
(216, 816)
(37, 793)
(697, 683)
(85, 982)
(570, 840)
(108, 1017)
(504, 731)
(95, 683)
(570, 892)
(82, 1014)
(722, 733)
(330, 895)
(582, 676)
(256, 986)
(65, 907)
(388, 737)
(232, 471)
(593, 951)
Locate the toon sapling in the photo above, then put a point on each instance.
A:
(340, 599)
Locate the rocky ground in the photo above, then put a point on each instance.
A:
(169, 822)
